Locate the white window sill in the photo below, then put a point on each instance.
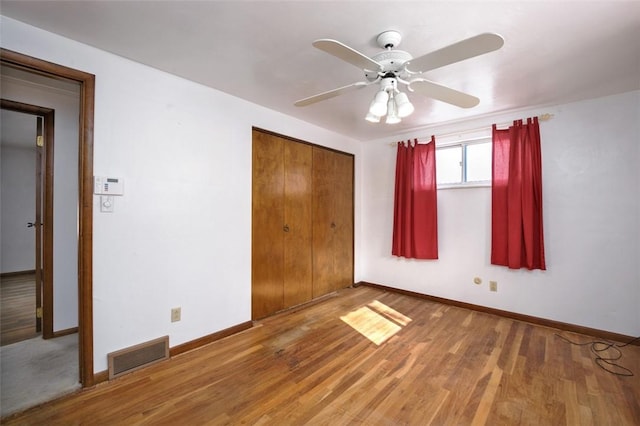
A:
(486, 184)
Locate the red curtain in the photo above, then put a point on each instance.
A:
(516, 221)
(415, 219)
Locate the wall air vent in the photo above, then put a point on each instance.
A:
(135, 357)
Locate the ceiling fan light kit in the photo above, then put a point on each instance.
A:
(379, 104)
(389, 101)
(392, 66)
(392, 112)
(372, 118)
(405, 108)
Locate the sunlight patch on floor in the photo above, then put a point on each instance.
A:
(390, 313)
(376, 321)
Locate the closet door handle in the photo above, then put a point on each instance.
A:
(285, 228)
(333, 225)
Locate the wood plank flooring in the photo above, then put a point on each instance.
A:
(18, 307)
(433, 365)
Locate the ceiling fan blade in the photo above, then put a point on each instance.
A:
(347, 54)
(443, 93)
(330, 94)
(465, 49)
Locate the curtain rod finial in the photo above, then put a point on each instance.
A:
(544, 117)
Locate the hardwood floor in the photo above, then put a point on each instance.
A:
(432, 364)
(18, 304)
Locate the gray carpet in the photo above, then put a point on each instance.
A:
(36, 371)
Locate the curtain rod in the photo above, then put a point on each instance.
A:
(542, 117)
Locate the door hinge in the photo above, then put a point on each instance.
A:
(39, 140)
(39, 312)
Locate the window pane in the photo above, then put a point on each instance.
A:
(479, 162)
(449, 165)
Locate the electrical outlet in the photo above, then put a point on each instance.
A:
(175, 314)
(493, 285)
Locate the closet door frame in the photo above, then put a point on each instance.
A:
(256, 227)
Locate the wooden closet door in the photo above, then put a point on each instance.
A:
(267, 242)
(297, 224)
(332, 221)
(343, 214)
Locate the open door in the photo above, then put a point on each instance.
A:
(43, 222)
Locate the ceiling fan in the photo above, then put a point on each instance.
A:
(391, 68)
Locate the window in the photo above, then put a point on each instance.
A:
(464, 164)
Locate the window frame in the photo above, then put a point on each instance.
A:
(463, 145)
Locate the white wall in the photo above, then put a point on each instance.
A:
(591, 201)
(65, 200)
(18, 207)
(181, 234)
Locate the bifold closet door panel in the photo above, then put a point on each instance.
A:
(323, 232)
(297, 224)
(267, 252)
(332, 221)
(343, 214)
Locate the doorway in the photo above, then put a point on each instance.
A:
(86, 81)
(27, 247)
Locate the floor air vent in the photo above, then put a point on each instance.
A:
(130, 359)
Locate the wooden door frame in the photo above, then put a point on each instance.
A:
(85, 196)
(46, 220)
(39, 224)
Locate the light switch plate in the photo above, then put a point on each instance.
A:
(106, 203)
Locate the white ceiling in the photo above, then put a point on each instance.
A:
(555, 51)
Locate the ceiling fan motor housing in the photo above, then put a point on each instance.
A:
(392, 61)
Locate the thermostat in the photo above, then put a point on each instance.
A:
(108, 185)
